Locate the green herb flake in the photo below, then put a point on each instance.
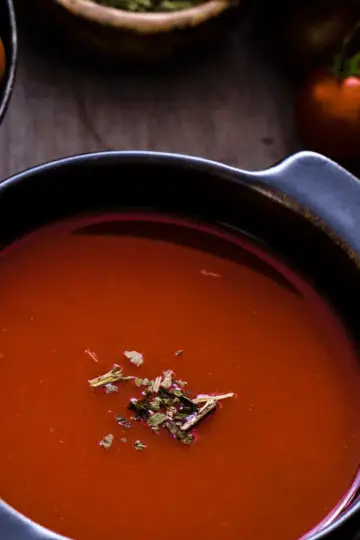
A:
(180, 415)
(138, 445)
(107, 441)
(155, 403)
(123, 422)
(167, 380)
(175, 431)
(135, 357)
(142, 382)
(156, 419)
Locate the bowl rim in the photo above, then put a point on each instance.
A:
(146, 23)
(12, 61)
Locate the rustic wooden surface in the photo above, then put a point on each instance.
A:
(230, 106)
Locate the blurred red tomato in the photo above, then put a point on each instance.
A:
(328, 115)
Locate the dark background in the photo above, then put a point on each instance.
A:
(229, 105)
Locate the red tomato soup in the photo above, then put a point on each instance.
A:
(270, 462)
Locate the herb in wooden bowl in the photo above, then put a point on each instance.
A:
(150, 5)
(144, 30)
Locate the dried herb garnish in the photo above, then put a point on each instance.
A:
(142, 382)
(203, 398)
(156, 419)
(114, 375)
(107, 441)
(165, 404)
(195, 418)
(110, 388)
(176, 393)
(179, 352)
(135, 357)
(123, 422)
(154, 385)
(177, 433)
(141, 407)
(150, 5)
(167, 379)
(138, 445)
(155, 404)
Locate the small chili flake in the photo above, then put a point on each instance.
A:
(123, 440)
(135, 357)
(138, 445)
(107, 441)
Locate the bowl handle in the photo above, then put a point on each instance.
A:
(16, 527)
(322, 187)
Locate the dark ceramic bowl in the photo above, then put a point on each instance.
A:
(8, 34)
(307, 209)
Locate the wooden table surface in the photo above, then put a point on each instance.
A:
(230, 106)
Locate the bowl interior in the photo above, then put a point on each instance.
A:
(8, 35)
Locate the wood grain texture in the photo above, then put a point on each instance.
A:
(230, 106)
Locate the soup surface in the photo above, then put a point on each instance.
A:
(270, 463)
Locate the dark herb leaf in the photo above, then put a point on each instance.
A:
(138, 445)
(140, 407)
(123, 422)
(176, 432)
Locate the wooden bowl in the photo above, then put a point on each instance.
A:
(117, 33)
